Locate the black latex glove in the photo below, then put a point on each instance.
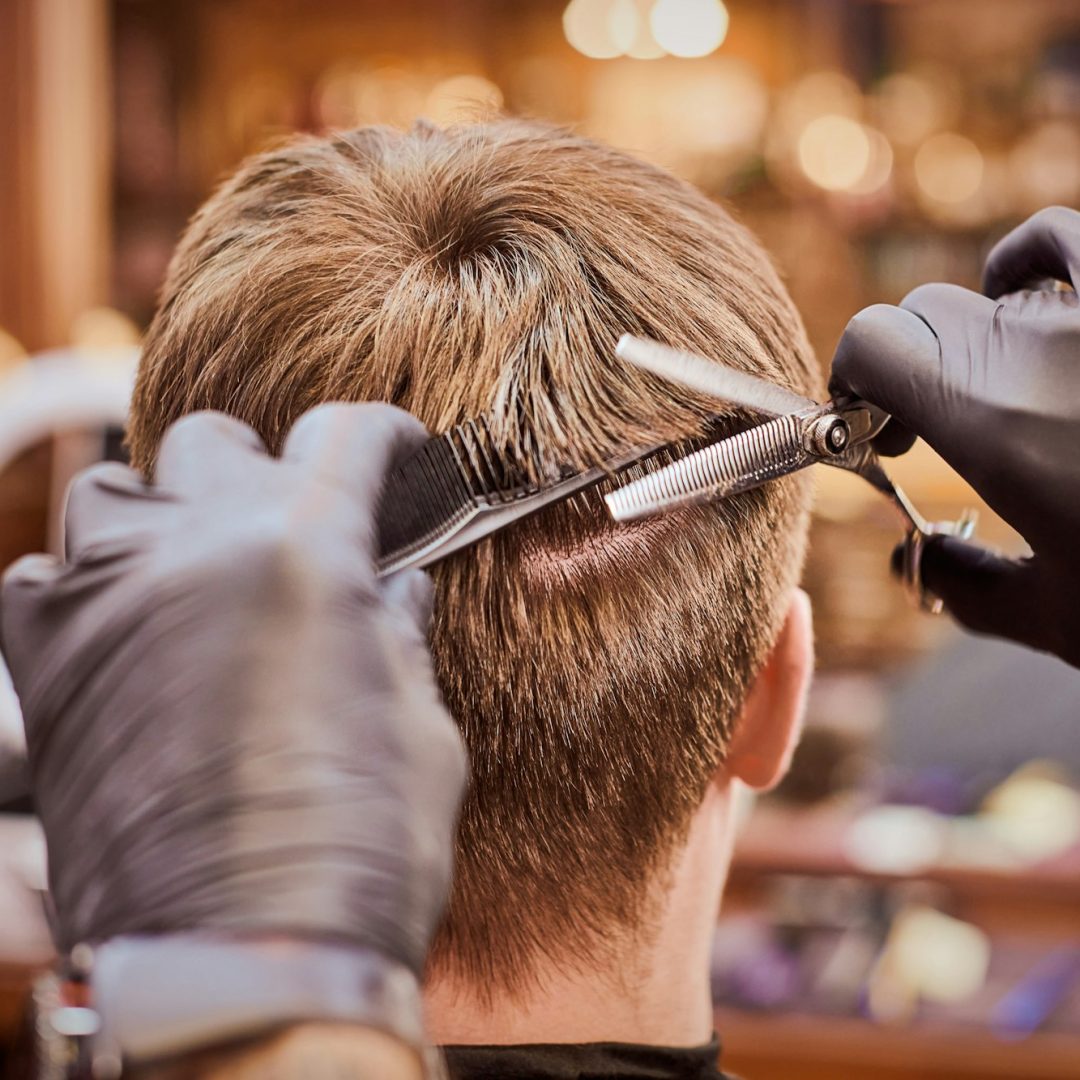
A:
(992, 383)
(233, 726)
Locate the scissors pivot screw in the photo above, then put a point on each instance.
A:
(839, 433)
(829, 435)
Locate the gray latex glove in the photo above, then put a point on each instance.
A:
(993, 384)
(233, 726)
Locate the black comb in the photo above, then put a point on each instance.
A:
(458, 488)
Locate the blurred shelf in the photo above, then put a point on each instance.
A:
(811, 841)
(796, 1047)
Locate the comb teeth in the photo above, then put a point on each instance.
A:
(723, 468)
(487, 473)
(444, 482)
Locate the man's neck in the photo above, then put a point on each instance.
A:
(653, 991)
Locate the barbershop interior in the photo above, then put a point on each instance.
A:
(906, 905)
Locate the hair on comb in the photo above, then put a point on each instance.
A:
(460, 487)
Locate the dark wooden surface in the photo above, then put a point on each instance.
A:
(24, 504)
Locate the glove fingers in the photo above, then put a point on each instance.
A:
(894, 439)
(410, 596)
(31, 572)
(985, 592)
(959, 318)
(891, 358)
(207, 451)
(104, 503)
(354, 446)
(942, 395)
(1047, 245)
(25, 583)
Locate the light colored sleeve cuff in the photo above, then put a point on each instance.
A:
(163, 997)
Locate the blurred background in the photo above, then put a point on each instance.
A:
(909, 904)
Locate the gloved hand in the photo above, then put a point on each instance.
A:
(992, 383)
(232, 724)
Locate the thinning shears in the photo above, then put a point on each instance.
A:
(802, 432)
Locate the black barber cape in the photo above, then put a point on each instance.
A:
(585, 1061)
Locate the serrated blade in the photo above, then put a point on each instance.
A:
(723, 468)
(709, 377)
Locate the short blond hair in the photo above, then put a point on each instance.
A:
(596, 672)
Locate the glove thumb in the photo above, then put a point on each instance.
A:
(1046, 246)
(985, 592)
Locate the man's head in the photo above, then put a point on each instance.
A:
(598, 672)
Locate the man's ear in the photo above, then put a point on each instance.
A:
(771, 722)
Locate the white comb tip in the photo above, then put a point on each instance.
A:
(622, 509)
(641, 352)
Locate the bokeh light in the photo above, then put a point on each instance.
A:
(941, 958)
(729, 100)
(336, 97)
(461, 98)
(593, 28)
(1035, 812)
(895, 840)
(624, 23)
(834, 152)
(681, 114)
(879, 166)
(908, 107)
(642, 45)
(11, 350)
(260, 108)
(949, 168)
(645, 29)
(1044, 166)
(816, 94)
(689, 28)
(349, 95)
(104, 329)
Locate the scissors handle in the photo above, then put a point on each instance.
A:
(862, 460)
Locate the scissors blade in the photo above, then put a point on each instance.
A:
(723, 468)
(709, 377)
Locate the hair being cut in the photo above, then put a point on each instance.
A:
(596, 671)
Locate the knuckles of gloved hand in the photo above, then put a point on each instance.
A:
(878, 331)
(277, 551)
